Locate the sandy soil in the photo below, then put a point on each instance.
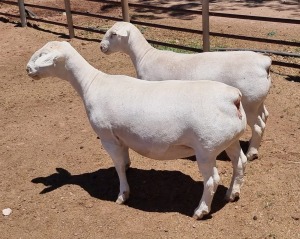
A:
(60, 183)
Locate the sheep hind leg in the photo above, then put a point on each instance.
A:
(257, 123)
(207, 167)
(239, 160)
(265, 114)
(120, 157)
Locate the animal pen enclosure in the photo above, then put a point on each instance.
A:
(27, 15)
(59, 181)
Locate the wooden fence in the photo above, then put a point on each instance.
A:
(205, 25)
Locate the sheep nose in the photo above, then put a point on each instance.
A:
(103, 48)
(29, 70)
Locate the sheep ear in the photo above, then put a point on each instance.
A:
(59, 57)
(122, 32)
(49, 59)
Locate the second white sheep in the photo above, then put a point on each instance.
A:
(247, 71)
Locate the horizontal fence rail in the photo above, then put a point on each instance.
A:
(195, 12)
(167, 9)
(211, 13)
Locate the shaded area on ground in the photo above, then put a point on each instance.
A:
(151, 190)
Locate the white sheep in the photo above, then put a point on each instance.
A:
(160, 120)
(247, 71)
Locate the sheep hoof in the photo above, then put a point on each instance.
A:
(252, 156)
(122, 198)
(199, 214)
(232, 197)
(196, 217)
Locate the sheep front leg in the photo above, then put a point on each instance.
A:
(120, 156)
(211, 180)
(239, 160)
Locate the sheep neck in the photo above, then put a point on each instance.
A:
(79, 72)
(138, 47)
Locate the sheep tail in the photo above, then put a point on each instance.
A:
(237, 103)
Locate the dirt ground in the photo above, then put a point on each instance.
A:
(60, 183)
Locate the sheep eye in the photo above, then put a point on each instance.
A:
(113, 34)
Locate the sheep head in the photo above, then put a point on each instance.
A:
(46, 61)
(116, 38)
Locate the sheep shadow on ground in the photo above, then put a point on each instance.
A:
(151, 190)
(293, 78)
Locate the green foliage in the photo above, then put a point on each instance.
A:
(271, 33)
(142, 29)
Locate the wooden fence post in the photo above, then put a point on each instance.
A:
(125, 10)
(69, 18)
(205, 25)
(22, 13)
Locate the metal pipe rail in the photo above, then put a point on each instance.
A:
(195, 12)
(71, 26)
(239, 37)
(211, 13)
